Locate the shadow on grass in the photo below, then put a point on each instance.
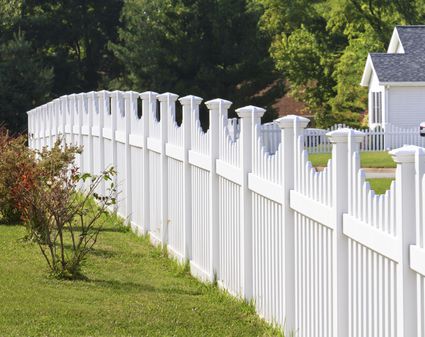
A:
(141, 287)
(5, 222)
(118, 229)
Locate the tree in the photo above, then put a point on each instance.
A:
(321, 47)
(304, 51)
(24, 82)
(65, 50)
(208, 48)
(73, 37)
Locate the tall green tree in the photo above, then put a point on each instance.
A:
(24, 82)
(210, 48)
(73, 37)
(304, 51)
(321, 46)
(69, 37)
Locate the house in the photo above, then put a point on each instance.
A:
(396, 80)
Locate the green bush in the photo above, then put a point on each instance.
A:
(55, 202)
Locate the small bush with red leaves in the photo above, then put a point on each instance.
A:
(16, 159)
(62, 207)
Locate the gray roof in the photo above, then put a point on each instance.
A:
(412, 38)
(407, 67)
(399, 67)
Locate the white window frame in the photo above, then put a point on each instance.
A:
(376, 111)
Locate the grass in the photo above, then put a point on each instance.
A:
(132, 289)
(380, 185)
(367, 159)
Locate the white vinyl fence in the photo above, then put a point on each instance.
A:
(378, 139)
(318, 252)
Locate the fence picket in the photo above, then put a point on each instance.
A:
(319, 252)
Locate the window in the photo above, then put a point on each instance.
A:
(376, 105)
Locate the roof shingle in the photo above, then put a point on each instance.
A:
(412, 38)
(407, 67)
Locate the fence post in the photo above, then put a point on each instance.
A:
(60, 107)
(91, 110)
(116, 97)
(249, 117)
(79, 110)
(30, 128)
(406, 234)
(36, 116)
(56, 117)
(290, 126)
(103, 99)
(167, 102)
(190, 105)
(51, 123)
(148, 108)
(130, 108)
(217, 108)
(339, 139)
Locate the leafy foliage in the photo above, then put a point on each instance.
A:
(72, 36)
(242, 50)
(15, 158)
(24, 81)
(50, 48)
(55, 203)
(321, 47)
(204, 47)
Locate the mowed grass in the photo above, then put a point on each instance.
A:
(380, 185)
(367, 159)
(132, 289)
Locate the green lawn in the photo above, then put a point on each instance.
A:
(132, 289)
(367, 159)
(380, 185)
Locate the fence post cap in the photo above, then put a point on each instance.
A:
(342, 135)
(250, 111)
(117, 93)
(288, 121)
(190, 98)
(167, 96)
(217, 102)
(148, 94)
(91, 94)
(81, 95)
(406, 153)
(131, 94)
(101, 93)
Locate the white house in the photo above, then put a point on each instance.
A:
(396, 80)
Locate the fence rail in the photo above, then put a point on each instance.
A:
(318, 252)
(378, 139)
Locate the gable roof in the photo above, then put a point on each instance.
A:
(412, 38)
(407, 66)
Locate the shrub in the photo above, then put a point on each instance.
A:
(56, 203)
(15, 158)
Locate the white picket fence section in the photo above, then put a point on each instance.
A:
(318, 252)
(378, 139)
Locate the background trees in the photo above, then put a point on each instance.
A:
(243, 50)
(321, 47)
(62, 47)
(210, 48)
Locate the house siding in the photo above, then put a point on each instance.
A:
(406, 106)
